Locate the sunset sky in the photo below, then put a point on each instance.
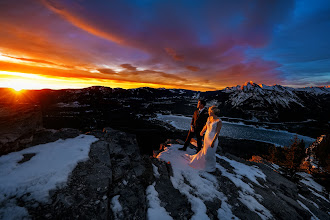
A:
(191, 44)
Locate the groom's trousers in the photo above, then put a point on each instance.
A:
(191, 134)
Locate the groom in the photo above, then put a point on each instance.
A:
(197, 123)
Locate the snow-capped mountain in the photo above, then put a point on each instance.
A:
(262, 95)
(275, 103)
(261, 88)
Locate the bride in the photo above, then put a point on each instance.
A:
(205, 158)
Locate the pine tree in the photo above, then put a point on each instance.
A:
(295, 154)
(272, 154)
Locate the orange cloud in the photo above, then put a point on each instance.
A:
(47, 71)
(44, 76)
(25, 43)
(31, 60)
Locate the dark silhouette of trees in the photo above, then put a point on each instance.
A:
(322, 152)
(295, 154)
(290, 157)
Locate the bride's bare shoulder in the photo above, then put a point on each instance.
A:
(218, 121)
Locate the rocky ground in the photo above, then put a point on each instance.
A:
(121, 180)
(117, 182)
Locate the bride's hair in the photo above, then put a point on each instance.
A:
(214, 109)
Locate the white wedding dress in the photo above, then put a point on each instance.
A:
(205, 158)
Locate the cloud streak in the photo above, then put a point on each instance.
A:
(207, 44)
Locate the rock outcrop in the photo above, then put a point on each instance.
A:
(18, 124)
(117, 182)
(21, 127)
(115, 172)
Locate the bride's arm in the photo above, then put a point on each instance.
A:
(219, 126)
(204, 129)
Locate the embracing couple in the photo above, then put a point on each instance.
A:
(204, 120)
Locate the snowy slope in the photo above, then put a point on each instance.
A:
(32, 180)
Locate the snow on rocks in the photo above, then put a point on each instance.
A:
(48, 169)
(247, 195)
(238, 189)
(155, 169)
(241, 169)
(316, 205)
(117, 182)
(198, 186)
(116, 207)
(305, 207)
(155, 210)
(308, 181)
(255, 206)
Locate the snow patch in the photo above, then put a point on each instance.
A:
(155, 211)
(48, 169)
(308, 181)
(155, 169)
(251, 172)
(308, 200)
(305, 207)
(116, 207)
(255, 206)
(247, 196)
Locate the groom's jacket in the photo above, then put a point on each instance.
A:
(199, 119)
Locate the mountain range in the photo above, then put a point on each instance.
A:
(250, 102)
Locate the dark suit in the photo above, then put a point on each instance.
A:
(198, 122)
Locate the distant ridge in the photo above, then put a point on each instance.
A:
(251, 86)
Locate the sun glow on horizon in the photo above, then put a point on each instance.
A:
(17, 88)
(28, 81)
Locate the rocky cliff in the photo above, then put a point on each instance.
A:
(117, 182)
(317, 159)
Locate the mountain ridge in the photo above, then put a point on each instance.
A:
(244, 87)
(250, 102)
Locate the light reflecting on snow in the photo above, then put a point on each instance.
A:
(240, 131)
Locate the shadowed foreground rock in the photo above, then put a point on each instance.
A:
(21, 127)
(115, 168)
(117, 173)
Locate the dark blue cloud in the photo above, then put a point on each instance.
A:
(301, 44)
